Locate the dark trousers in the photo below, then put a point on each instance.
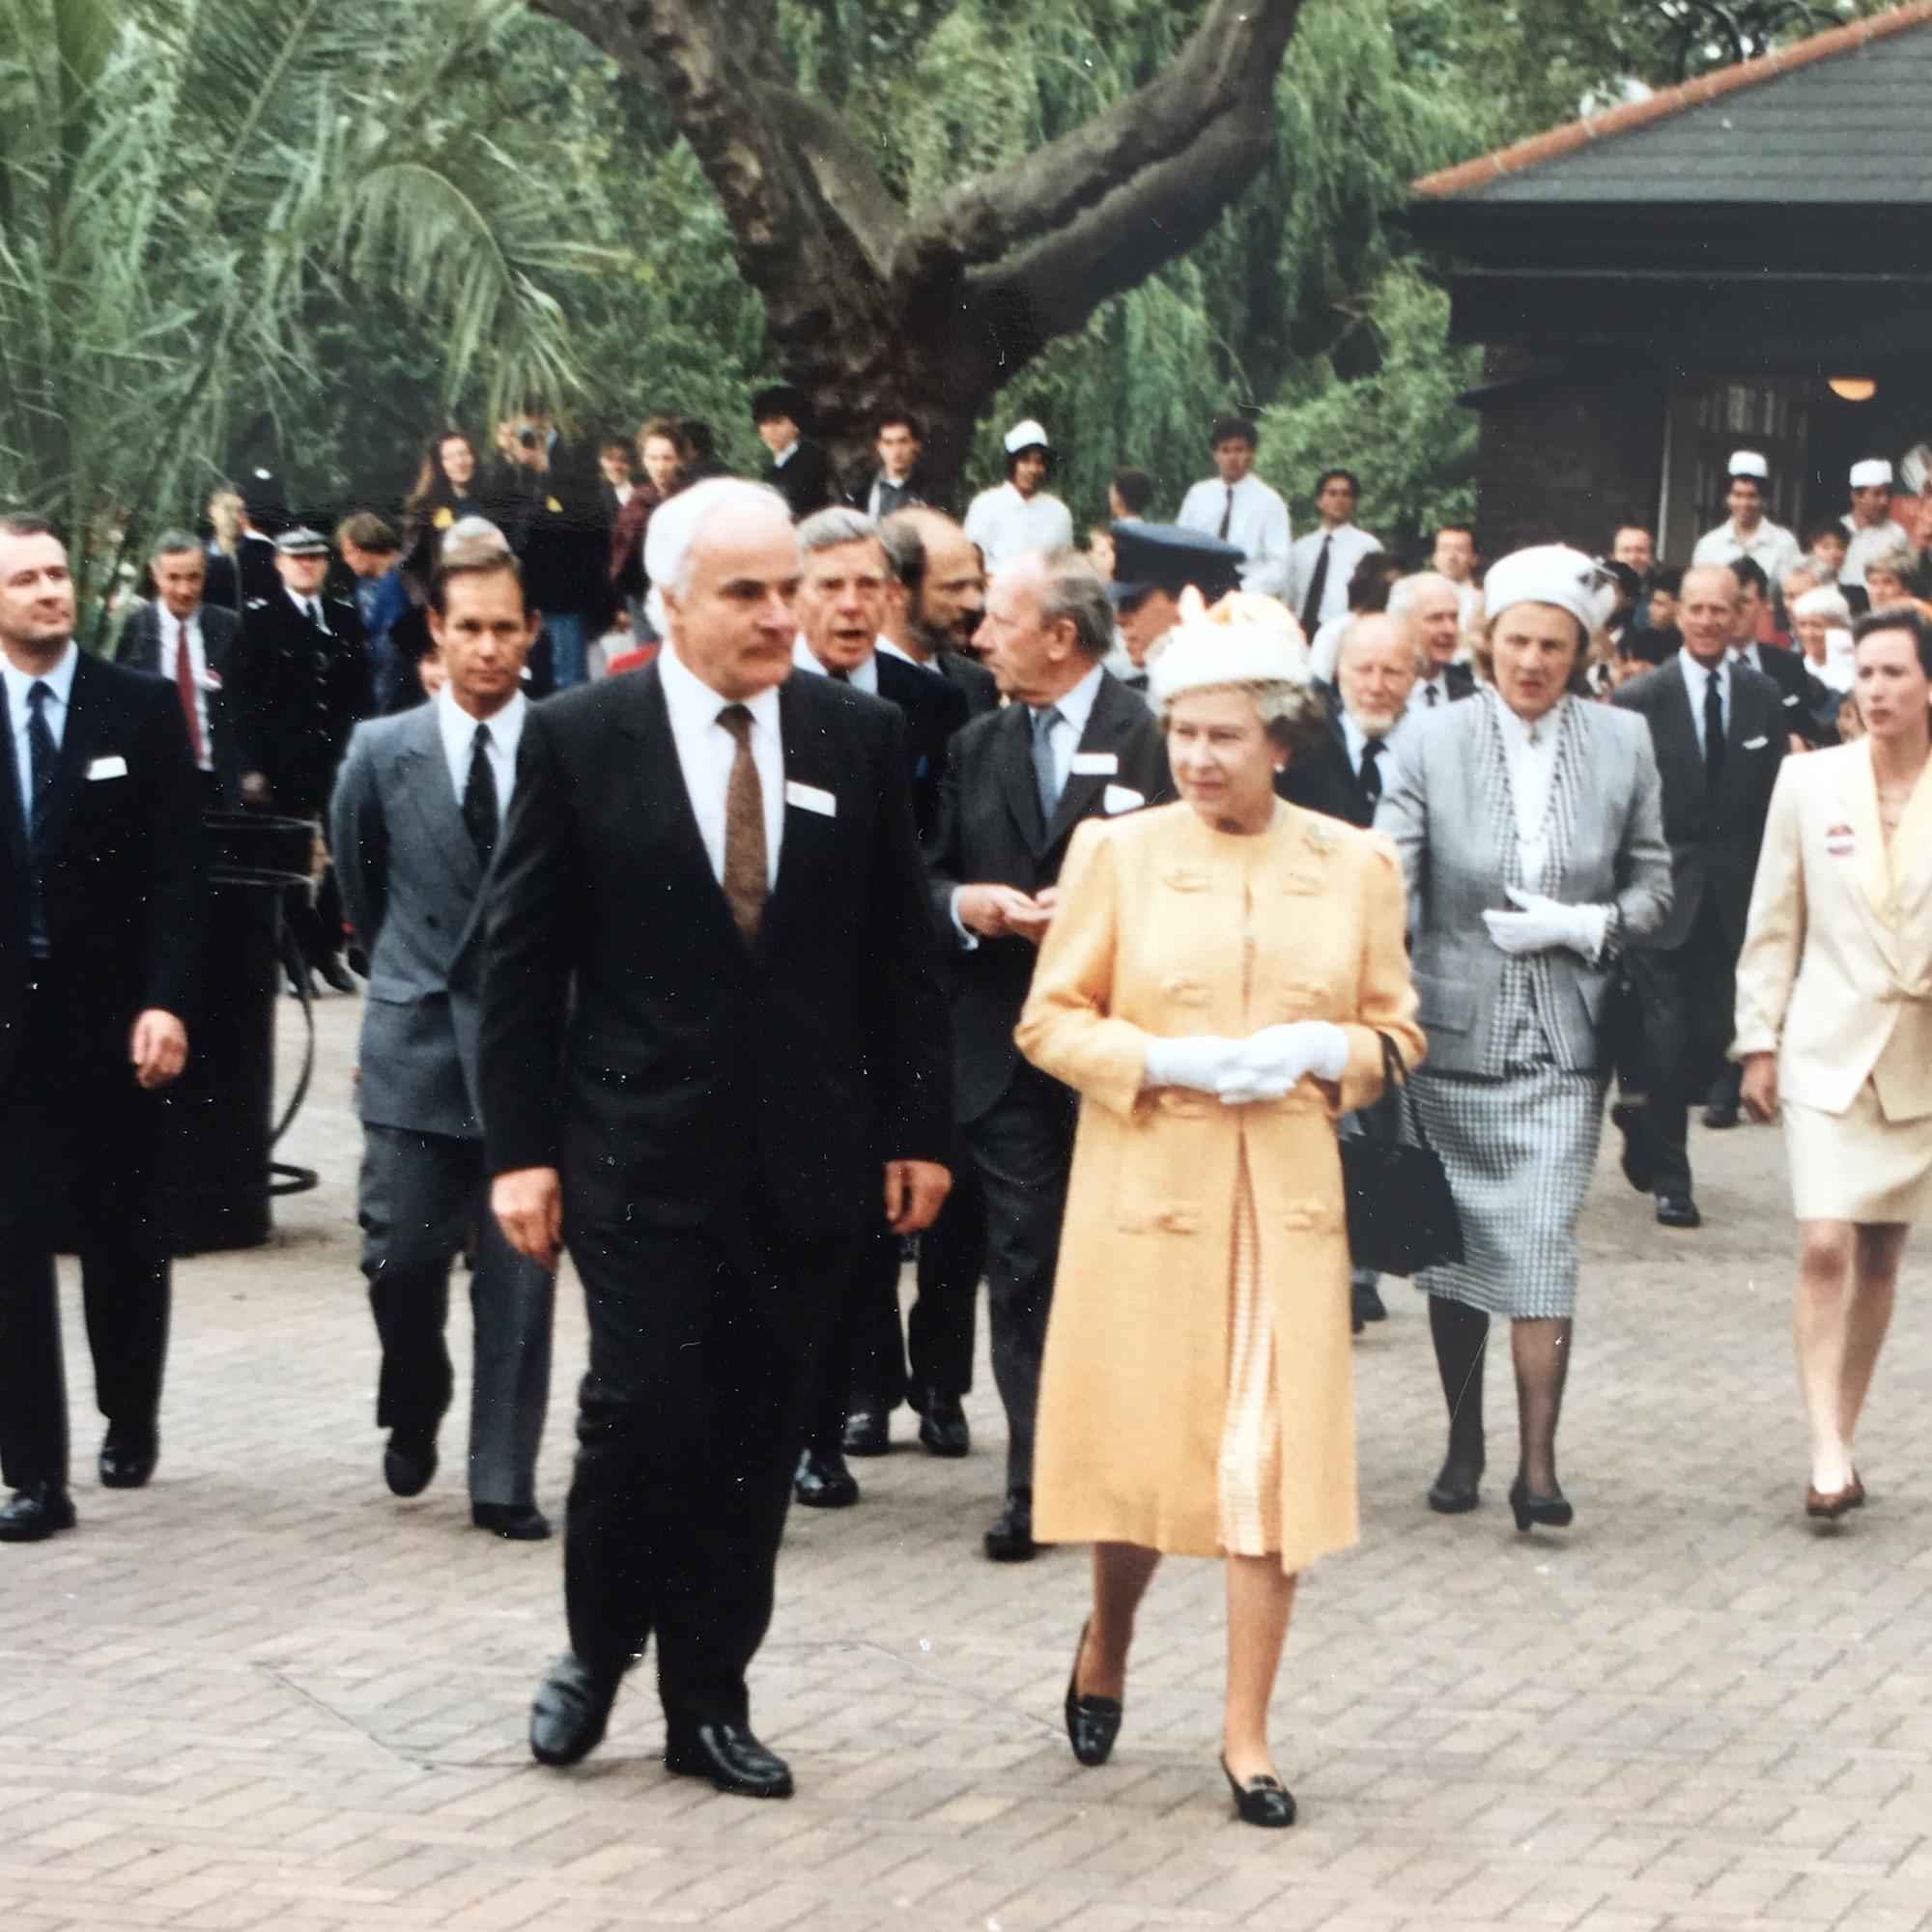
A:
(1688, 998)
(690, 1419)
(424, 1199)
(1023, 1146)
(79, 1139)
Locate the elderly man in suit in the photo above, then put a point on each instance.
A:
(1717, 729)
(1072, 742)
(415, 822)
(1430, 606)
(101, 878)
(191, 643)
(714, 1040)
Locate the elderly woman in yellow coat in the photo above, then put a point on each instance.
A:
(1835, 1025)
(1214, 985)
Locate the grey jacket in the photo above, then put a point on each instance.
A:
(1445, 825)
(413, 887)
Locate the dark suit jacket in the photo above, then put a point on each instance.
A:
(1810, 706)
(629, 1035)
(140, 649)
(557, 525)
(1714, 844)
(1322, 779)
(123, 878)
(934, 710)
(805, 481)
(1459, 681)
(297, 695)
(990, 833)
(980, 686)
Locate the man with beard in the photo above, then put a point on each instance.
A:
(935, 600)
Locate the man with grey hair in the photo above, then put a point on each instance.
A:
(713, 1042)
(1429, 606)
(1072, 742)
(191, 643)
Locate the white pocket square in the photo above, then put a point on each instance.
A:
(1121, 798)
(113, 766)
(1755, 743)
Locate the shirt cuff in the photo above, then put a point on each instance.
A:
(969, 941)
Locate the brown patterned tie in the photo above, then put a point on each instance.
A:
(745, 868)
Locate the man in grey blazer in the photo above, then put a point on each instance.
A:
(415, 823)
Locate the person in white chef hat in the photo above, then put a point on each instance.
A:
(1749, 532)
(1868, 523)
(1020, 514)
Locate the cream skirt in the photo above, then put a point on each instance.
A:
(1858, 1166)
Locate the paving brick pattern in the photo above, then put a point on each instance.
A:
(263, 1693)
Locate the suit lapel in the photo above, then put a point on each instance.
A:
(1672, 728)
(12, 822)
(1085, 792)
(1911, 849)
(1857, 798)
(79, 742)
(811, 838)
(425, 777)
(1014, 761)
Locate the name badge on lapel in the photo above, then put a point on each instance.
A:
(1096, 764)
(1755, 743)
(808, 798)
(113, 766)
(1121, 798)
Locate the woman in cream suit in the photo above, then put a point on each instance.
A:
(1835, 1025)
(1214, 987)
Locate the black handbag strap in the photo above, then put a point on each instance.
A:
(1395, 1080)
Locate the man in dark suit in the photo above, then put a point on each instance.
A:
(1430, 606)
(935, 601)
(191, 643)
(1719, 730)
(100, 879)
(1072, 742)
(799, 469)
(1811, 707)
(894, 485)
(302, 685)
(712, 997)
(415, 823)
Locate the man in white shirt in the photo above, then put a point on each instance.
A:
(415, 822)
(1749, 532)
(1236, 507)
(1320, 563)
(1018, 514)
(1868, 523)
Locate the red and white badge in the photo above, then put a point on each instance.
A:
(1840, 841)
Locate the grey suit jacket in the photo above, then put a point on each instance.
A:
(1452, 847)
(413, 888)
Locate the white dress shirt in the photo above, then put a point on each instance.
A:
(706, 750)
(170, 627)
(1256, 521)
(459, 744)
(1531, 754)
(1357, 740)
(309, 606)
(1005, 525)
(1696, 682)
(860, 677)
(1348, 546)
(1771, 546)
(17, 683)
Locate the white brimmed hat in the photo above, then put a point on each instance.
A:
(1552, 574)
(1245, 639)
(1028, 435)
(1748, 463)
(1873, 474)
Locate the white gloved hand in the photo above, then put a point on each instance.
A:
(1197, 1061)
(1272, 1061)
(1541, 925)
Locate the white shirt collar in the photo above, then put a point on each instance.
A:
(780, 457)
(692, 703)
(1076, 706)
(59, 681)
(459, 728)
(1521, 737)
(1357, 739)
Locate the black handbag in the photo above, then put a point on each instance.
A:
(1402, 1215)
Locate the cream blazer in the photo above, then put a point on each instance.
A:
(1836, 970)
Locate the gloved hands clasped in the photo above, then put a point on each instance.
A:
(1541, 925)
(1263, 1067)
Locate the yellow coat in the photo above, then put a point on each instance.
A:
(1167, 927)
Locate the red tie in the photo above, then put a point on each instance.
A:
(185, 682)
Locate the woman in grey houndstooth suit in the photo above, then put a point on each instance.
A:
(1530, 827)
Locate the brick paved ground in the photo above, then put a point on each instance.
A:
(265, 1693)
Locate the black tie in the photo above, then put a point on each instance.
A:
(1371, 773)
(1227, 515)
(1311, 605)
(42, 753)
(1714, 730)
(479, 798)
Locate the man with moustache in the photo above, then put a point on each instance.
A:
(704, 1085)
(935, 600)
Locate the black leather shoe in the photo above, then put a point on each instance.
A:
(942, 1425)
(572, 1707)
(34, 1513)
(1261, 1801)
(1093, 1723)
(128, 1461)
(1639, 1157)
(1550, 1512)
(1721, 1114)
(409, 1463)
(1678, 1210)
(1011, 1539)
(335, 974)
(730, 1757)
(521, 1522)
(823, 1482)
(1365, 1304)
(867, 1432)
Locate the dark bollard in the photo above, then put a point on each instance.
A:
(220, 1111)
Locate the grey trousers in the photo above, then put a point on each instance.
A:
(424, 1199)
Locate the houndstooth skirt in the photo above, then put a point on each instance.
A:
(1519, 1153)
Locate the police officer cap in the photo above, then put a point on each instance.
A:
(780, 399)
(301, 543)
(1164, 557)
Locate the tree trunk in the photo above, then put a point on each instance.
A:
(869, 304)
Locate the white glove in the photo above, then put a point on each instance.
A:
(1272, 1061)
(1542, 925)
(1198, 1061)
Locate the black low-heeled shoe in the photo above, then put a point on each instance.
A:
(1447, 1498)
(1261, 1801)
(1531, 1510)
(1093, 1723)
